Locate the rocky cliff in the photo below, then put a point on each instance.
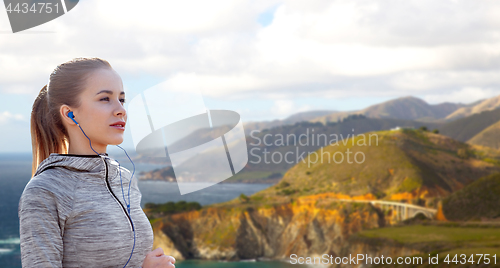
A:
(307, 226)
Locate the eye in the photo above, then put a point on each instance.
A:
(105, 99)
(122, 100)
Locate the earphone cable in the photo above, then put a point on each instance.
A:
(90, 142)
(131, 178)
(121, 183)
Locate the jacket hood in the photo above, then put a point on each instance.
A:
(83, 163)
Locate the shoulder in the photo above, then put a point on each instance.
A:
(53, 180)
(49, 187)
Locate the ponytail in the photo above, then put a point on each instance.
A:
(66, 82)
(46, 136)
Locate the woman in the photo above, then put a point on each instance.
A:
(74, 212)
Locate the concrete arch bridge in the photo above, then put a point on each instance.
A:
(399, 211)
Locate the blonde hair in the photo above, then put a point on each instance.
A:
(66, 82)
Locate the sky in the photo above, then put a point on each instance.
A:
(265, 59)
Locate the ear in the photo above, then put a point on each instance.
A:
(64, 110)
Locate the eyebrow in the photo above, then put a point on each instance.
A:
(109, 92)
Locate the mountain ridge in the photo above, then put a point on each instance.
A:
(408, 107)
(481, 106)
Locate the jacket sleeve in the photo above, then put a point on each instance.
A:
(41, 228)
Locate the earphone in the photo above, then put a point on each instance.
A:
(72, 116)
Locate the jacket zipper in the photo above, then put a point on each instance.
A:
(114, 196)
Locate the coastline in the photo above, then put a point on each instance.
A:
(246, 181)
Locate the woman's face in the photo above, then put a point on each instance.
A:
(101, 113)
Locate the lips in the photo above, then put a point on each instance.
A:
(118, 125)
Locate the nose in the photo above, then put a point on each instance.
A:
(120, 111)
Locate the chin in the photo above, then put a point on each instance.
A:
(117, 141)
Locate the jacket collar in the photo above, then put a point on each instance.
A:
(82, 163)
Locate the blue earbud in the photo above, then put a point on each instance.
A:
(72, 116)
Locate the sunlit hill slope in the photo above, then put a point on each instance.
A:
(405, 164)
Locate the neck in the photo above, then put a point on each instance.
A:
(85, 151)
(79, 144)
(82, 147)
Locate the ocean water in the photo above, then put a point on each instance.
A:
(15, 172)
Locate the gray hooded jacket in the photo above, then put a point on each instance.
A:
(72, 214)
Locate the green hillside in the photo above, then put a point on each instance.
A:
(478, 200)
(489, 137)
(417, 163)
(438, 241)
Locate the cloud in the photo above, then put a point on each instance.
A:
(154, 38)
(322, 48)
(447, 82)
(15, 134)
(6, 117)
(284, 108)
(317, 50)
(464, 95)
